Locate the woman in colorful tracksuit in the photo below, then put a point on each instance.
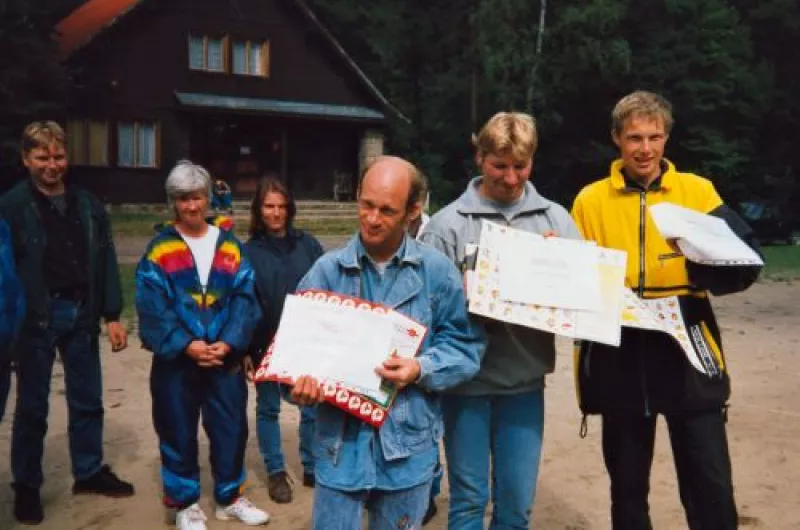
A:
(280, 255)
(197, 311)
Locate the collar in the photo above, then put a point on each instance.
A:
(224, 223)
(69, 193)
(292, 234)
(470, 202)
(666, 181)
(352, 254)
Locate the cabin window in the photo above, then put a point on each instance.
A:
(208, 53)
(251, 58)
(137, 144)
(87, 142)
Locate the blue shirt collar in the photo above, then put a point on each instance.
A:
(354, 252)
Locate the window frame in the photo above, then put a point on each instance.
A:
(84, 157)
(135, 138)
(225, 52)
(249, 44)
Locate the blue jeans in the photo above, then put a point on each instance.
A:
(498, 432)
(181, 393)
(80, 353)
(388, 510)
(268, 429)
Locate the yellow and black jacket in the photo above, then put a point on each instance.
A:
(649, 373)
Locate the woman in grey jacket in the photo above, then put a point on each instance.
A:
(498, 417)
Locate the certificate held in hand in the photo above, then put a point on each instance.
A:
(702, 238)
(340, 340)
(331, 343)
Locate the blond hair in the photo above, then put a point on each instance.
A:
(42, 134)
(641, 104)
(507, 132)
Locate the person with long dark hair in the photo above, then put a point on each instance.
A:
(281, 255)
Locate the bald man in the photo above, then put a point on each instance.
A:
(389, 470)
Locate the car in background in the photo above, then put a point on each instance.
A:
(771, 225)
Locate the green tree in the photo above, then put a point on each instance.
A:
(33, 83)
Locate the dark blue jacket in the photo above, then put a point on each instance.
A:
(12, 297)
(279, 265)
(18, 208)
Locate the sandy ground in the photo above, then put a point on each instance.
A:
(762, 336)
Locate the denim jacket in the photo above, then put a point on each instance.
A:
(427, 288)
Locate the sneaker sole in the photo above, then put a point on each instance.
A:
(30, 522)
(222, 516)
(104, 493)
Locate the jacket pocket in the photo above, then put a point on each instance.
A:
(328, 433)
(414, 418)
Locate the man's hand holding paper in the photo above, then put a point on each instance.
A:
(702, 238)
(401, 371)
(331, 343)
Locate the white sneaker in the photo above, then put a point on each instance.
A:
(191, 518)
(244, 510)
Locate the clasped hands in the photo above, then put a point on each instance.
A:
(399, 370)
(207, 355)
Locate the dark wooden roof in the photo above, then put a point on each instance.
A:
(87, 21)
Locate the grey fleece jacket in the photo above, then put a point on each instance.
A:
(516, 358)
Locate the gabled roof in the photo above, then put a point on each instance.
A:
(80, 27)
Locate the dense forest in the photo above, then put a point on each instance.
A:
(728, 66)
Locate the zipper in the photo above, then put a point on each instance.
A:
(642, 221)
(642, 218)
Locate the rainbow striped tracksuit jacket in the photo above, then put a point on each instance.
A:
(173, 311)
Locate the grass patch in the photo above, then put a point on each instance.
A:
(141, 224)
(328, 227)
(127, 276)
(135, 224)
(782, 262)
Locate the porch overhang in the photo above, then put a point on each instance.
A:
(278, 107)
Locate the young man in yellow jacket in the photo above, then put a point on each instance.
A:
(648, 374)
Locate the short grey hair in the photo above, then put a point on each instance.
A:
(187, 177)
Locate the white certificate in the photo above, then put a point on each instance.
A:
(702, 238)
(552, 272)
(604, 325)
(331, 343)
(600, 325)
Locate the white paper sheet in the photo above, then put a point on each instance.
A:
(553, 272)
(665, 315)
(702, 238)
(406, 340)
(485, 299)
(604, 325)
(331, 343)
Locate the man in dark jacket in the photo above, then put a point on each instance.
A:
(66, 260)
(12, 310)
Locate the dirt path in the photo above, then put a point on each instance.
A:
(762, 336)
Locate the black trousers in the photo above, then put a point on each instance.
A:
(702, 463)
